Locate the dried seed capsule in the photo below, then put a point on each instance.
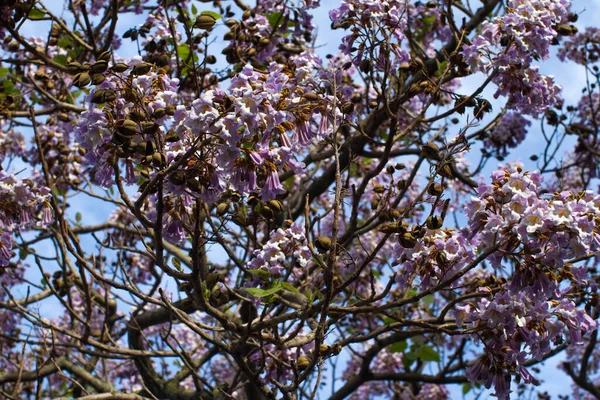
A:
(431, 151)
(99, 66)
(205, 22)
(82, 79)
(434, 222)
(120, 67)
(323, 244)
(177, 177)
(407, 240)
(141, 69)
(98, 79)
(302, 363)
(127, 128)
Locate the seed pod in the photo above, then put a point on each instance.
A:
(264, 41)
(82, 79)
(74, 67)
(141, 69)
(222, 209)
(365, 66)
(205, 22)
(347, 107)
(276, 205)
(149, 127)
(98, 96)
(172, 136)
(109, 95)
(98, 79)
(446, 171)
(435, 189)
(323, 244)
(378, 189)
(390, 227)
(230, 23)
(240, 219)
(150, 148)
(159, 113)
(120, 67)
(565, 30)
(99, 66)
(170, 110)
(266, 212)
(159, 160)
(434, 222)
(303, 362)
(310, 96)
(407, 240)
(431, 4)
(431, 151)
(127, 128)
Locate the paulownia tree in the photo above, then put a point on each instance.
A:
(257, 221)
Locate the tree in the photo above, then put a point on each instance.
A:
(282, 225)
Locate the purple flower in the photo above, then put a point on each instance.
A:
(272, 186)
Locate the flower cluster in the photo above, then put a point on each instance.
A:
(508, 132)
(283, 244)
(583, 48)
(539, 236)
(23, 205)
(390, 17)
(521, 36)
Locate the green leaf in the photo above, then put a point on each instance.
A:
(78, 216)
(3, 72)
(427, 21)
(36, 13)
(177, 264)
(256, 292)
(427, 353)
(23, 253)
(428, 300)
(64, 42)
(288, 286)
(212, 14)
(407, 362)
(260, 272)
(274, 19)
(194, 10)
(466, 387)
(441, 68)
(388, 320)
(183, 51)
(61, 59)
(399, 347)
